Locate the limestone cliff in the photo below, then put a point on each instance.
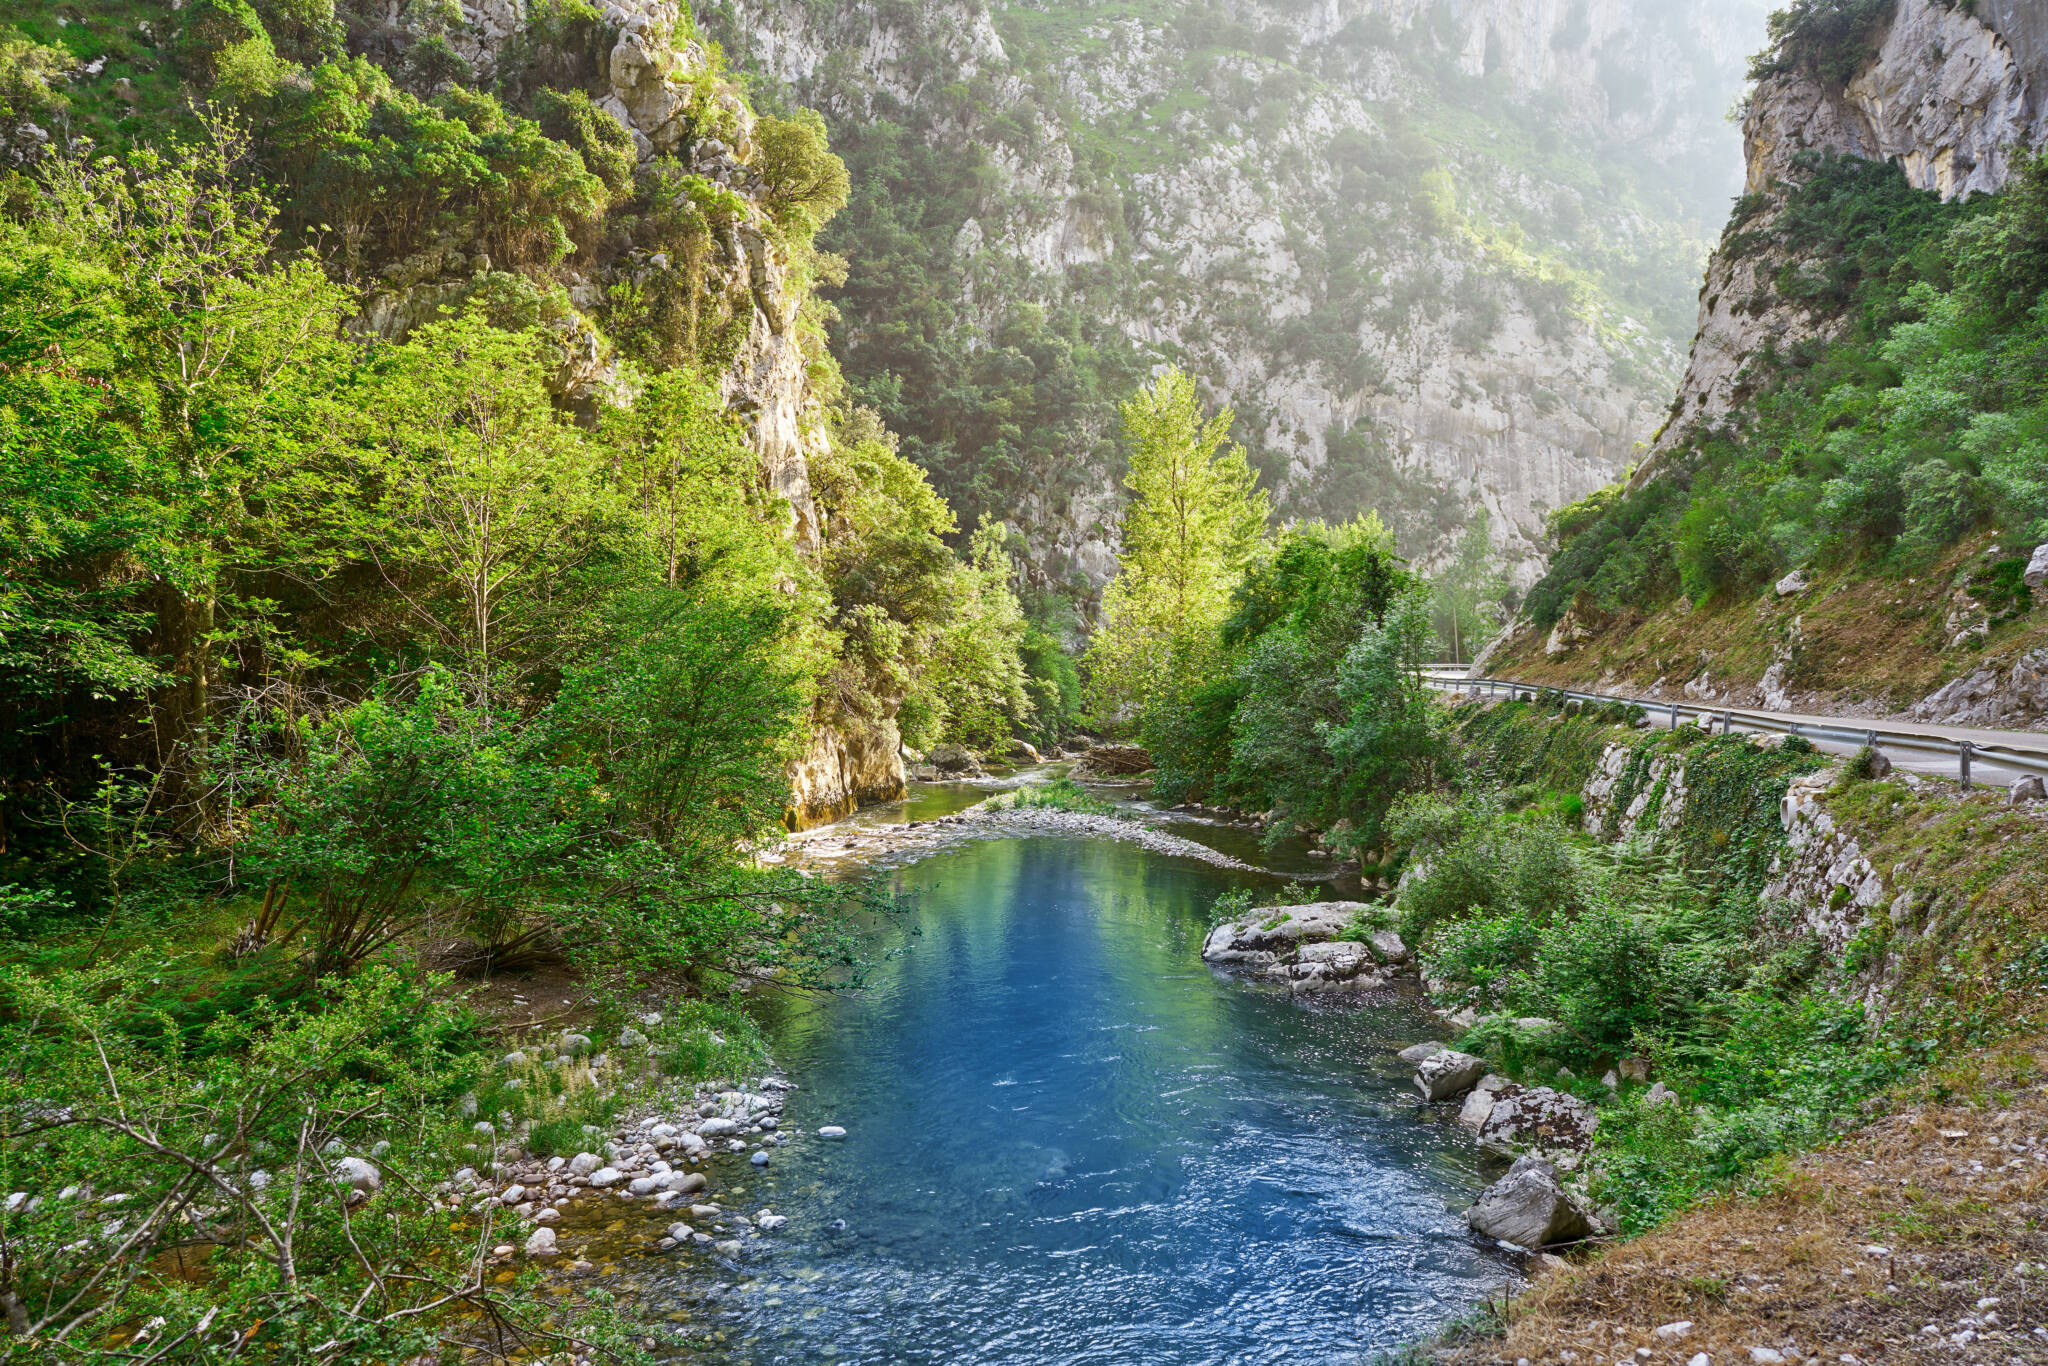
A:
(1437, 256)
(1950, 94)
(644, 67)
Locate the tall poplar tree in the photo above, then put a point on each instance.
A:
(1196, 514)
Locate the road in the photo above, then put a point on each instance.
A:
(1995, 757)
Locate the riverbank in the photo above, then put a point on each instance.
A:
(882, 847)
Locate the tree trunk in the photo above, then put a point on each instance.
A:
(185, 627)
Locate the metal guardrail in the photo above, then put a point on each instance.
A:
(1965, 752)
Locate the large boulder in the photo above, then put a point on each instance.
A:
(956, 761)
(1390, 947)
(1535, 1117)
(1478, 1106)
(1448, 1075)
(1529, 1207)
(1282, 929)
(1297, 947)
(359, 1174)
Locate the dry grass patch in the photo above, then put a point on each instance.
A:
(1930, 1219)
(1867, 645)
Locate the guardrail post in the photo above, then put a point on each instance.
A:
(1674, 716)
(1727, 722)
(1963, 756)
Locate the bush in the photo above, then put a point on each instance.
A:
(150, 1151)
(806, 183)
(572, 118)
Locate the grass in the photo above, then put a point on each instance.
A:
(1061, 794)
(1864, 637)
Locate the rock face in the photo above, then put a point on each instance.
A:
(1999, 698)
(1953, 96)
(1529, 1207)
(1265, 216)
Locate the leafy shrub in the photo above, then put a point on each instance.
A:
(146, 1144)
(573, 119)
(1829, 39)
(806, 183)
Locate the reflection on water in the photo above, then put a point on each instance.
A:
(1069, 1142)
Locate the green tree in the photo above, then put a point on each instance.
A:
(973, 688)
(488, 502)
(218, 351)
(1468, 592)
(807, 184)
(1195, 516)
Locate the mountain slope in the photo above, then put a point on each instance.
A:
(1845, 509)
(1440, 258)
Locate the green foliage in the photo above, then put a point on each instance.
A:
(807, 184)
(1022, 416)
(571, 118)
(1920, 427)
(1194, 519)
(1468, 593)
(1315, 709)
(30, 79)
(1661, 949)
(138, 1142)
(1829, 39)
(401, 803)
(1061, 794)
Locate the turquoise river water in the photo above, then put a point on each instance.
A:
(1070, 1142)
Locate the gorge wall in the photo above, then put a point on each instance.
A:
(1440, 257)
(1951, 94)
(643, 65)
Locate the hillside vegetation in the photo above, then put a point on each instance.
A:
(433, 531)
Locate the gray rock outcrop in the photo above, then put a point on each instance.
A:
(2009, 697)
(1298, 947)
(1458, 379)
(1529, 1207)
(1955, 96)
(1448, 1075)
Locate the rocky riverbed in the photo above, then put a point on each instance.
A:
(662, 1158)
(888, 846)
(1346, 947)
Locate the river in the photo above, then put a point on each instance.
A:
(1069, 1142)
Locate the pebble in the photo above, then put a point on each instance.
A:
(760, 1159)
(831, 1131)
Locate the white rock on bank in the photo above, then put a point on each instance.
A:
(1528, 1207)
(541, 1243)
(1442, 1076)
